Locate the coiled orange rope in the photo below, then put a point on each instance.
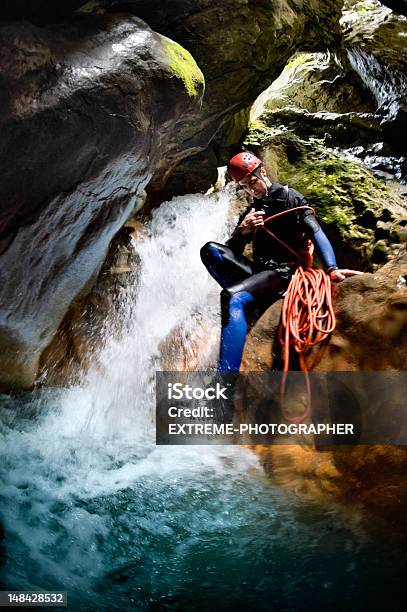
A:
(307, 319)
(307, 316)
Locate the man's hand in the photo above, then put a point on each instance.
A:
(253, 219)
(340, 275)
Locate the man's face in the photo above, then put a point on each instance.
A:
(254, 185)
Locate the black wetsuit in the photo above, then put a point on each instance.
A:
(250, 287)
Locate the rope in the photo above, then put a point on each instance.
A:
(307, 316)
(307, 319)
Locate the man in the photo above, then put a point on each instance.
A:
(250, 287)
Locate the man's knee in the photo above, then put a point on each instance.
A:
(235, 302)
(211, 251)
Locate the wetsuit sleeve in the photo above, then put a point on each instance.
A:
(237, 242)
(315, 232)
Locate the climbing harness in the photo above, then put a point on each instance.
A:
(307, 316)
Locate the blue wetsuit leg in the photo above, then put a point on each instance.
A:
(257, 291)
(233, 336)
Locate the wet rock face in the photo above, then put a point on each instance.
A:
(81, 335)
(319, 95)
(88, 110)
(316, 82)
(375, 37)
(192, 175)
(371, 332)
(367, 483)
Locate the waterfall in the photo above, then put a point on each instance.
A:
(62, 449)
(174, 290)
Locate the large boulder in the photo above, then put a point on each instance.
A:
(89, 110)
(371, 330)
(369, 481)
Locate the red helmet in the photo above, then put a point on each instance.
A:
(243, 164)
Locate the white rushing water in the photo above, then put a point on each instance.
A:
(117, 398)
(97, 439)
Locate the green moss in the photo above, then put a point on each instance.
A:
(235, 127)
(183, 66)
(322, 179)
(299, 59)
(259, 133)
(363, 7)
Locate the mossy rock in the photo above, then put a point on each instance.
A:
(344, 130)
(184, 67)
(317, 82)
(349, 201)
